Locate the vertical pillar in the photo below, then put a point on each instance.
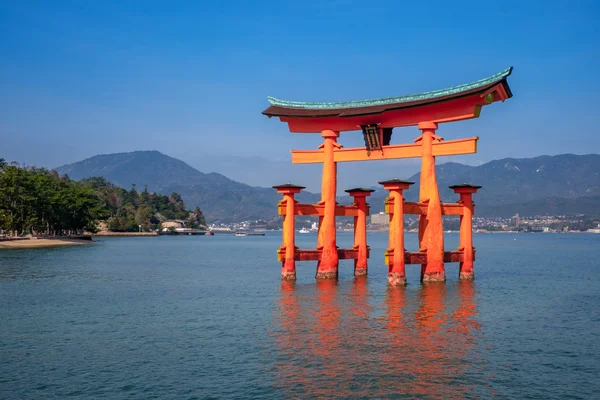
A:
(431, 231)
(327, 267)
(288, 246)
(466, 229)
(360, 229)
(395, 252)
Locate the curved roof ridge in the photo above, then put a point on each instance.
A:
(394, 100)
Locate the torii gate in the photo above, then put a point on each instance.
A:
(376, 119)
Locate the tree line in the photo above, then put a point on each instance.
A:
(39, 201)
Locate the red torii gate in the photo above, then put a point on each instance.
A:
(377, 118)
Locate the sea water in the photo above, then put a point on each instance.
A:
(208, 317)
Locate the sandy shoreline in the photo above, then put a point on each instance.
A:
(34, 243)
(124, 234)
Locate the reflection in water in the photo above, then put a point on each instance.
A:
(422, 342)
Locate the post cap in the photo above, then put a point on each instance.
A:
(464, 186)
(288, 186)
(395, 181)
(360, 190)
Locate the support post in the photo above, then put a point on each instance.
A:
(466, 229)
(431, 230)
(327, 266)
(288, 245)
(360, 229)
(396, 270)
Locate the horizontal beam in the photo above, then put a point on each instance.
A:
(417, 257)
(319, 210)
(443, 148)
(414, 257)
(315, 255)
(411, 208)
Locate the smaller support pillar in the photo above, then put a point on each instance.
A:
(288, 245)
(396, 271)
(360, 229)
(466, 229)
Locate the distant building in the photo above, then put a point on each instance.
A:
(171, 224)
(381, 219)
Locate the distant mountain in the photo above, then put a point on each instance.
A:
(587, 205)
(563, 184)
(529, 186)
(220, 198)
(511, 180)
(141, 168)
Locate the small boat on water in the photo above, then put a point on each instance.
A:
(303, 230)
(248, 234)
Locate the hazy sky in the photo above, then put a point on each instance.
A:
(190, 78)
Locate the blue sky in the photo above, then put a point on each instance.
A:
(190, 78)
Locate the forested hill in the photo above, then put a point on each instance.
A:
(35, 200)
(128, 210)
(140, 168)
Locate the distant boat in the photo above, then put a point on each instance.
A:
(248, 234)
(303, 230)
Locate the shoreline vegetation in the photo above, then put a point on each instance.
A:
(40, 208)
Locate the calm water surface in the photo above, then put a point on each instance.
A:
(207, 317)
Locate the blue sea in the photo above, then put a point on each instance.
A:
(208, 318)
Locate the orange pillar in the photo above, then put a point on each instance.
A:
(327, 267)
(431, 230)
(395, 252)
(360, 229)
(288, 246)
(466, 229)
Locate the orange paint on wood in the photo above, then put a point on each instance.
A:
(360, 233)
(466, 233)
(431, 231)
(396, 271)
(417, 257)
(455, 110)
(319, 210)
(395, 252)
(466, 230)
(445, 148)
(411, 208)
(327, 267)
(288, 271)
(286, 253)
(315, 255)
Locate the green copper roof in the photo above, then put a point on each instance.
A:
(394, 100)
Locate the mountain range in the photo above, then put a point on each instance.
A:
(562, 184)
(220, 198)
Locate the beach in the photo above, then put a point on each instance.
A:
(32, 243)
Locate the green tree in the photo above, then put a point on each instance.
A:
(39, 201)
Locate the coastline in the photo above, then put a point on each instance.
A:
(107, 233)
(36, 243)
